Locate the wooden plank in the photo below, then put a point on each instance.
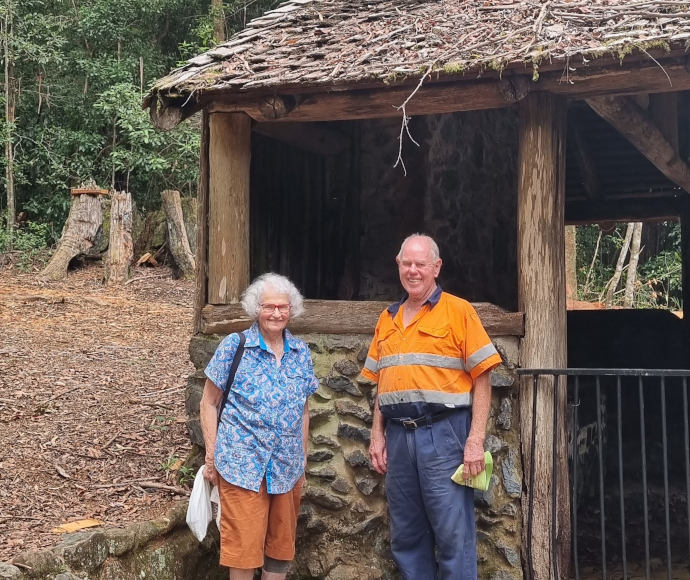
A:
(89, 191)
(347, 317)
(308, 136)
(628, 210)
(541, 295)
(228, 245)
(201, 276)
(637, 126)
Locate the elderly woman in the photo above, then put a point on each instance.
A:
(256, 453)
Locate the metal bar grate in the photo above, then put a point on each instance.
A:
(639, 468)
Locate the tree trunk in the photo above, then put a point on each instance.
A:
(632, 265)
(78, 236)
(541, 293)
(218, 15)
(613, 282)
(9, 122)
(177, 234)
(120, 247)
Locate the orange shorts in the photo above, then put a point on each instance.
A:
(254, 524)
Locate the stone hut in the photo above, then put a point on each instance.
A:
(333, 128)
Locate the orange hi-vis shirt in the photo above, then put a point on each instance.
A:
(429, 366)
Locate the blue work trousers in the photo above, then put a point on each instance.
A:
(432, 518)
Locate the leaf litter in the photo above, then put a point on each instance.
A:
(92, 417)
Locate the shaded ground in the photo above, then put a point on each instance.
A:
(91, 401)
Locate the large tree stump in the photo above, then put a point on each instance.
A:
(78, 235)
(178, 242)
(120, 247)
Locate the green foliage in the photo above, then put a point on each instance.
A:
(83, 67)
(30, 242)
(659, 272)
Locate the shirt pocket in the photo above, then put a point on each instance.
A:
(437, 340)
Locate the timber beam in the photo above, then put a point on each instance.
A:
(637, 126)
(347, 317)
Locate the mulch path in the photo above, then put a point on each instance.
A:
(92, 413)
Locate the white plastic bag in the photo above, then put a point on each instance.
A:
(200, 510)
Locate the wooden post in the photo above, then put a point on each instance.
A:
(202, 226)
(541, 295)
(120, 248)
(228, 248)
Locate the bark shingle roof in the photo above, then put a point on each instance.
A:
(338, 44)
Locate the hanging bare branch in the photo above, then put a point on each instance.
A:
(404, 126)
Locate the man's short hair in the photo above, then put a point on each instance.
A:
(433, 246)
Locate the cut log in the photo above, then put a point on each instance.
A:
(78, 236)
(347, 317)
(120, 248)
(178, 242)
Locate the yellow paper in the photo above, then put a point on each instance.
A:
(480, 481)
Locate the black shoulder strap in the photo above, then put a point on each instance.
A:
(233, 370)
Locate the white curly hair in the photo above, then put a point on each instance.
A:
(251, 297)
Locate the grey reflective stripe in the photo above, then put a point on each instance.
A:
(428, 360)
(423, 396)
(479, 356)
(371, 365)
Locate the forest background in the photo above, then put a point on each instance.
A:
(74, 73)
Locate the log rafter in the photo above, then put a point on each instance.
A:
(638, 127)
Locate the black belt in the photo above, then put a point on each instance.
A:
(410, 423)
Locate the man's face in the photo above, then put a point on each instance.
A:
(417, 269)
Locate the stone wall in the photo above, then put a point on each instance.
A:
(460, 188)
(343, 526)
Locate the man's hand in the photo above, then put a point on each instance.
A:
(474, 457)
(377, 451)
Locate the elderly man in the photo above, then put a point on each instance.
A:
(431, 358)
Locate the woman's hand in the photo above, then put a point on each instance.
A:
(208, 412)
(210, 473)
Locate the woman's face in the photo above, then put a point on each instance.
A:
(274, 312)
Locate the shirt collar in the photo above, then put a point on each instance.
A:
(254, 338)
(431, 301)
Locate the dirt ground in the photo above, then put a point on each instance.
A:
(91, 401)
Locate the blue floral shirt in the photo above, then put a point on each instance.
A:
(260, 433)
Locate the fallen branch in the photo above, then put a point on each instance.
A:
(176, 489)
(123, 483)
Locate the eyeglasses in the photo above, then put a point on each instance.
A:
(407, 264)
(271, 308)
